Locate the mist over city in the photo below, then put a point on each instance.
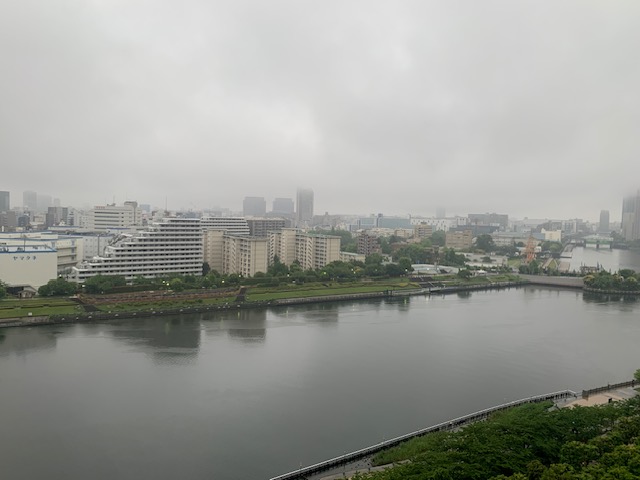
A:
(529, 108)
(293, 240)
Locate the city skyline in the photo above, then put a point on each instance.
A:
(378, 107)
(433, 212)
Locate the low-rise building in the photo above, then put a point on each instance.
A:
(27, 262)
(459, 240)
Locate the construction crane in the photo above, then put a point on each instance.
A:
(530, 250)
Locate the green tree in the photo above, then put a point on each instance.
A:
(394, 270)
(373, 259)
(465, 273)
(438, 238)
(58, 287)
(277, 269)
(3, 290)
(485, 242)
(405, 264)
(176, 284)
(452, 258)
(103, 283)
(205, 269)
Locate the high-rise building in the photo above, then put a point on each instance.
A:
(495, 219)
(254, 207)
(283, 206)
(304, 206)
(260, 227)
(440, 212)
(171, 246)
(105, 217)
(244, 255)
(56, 216)
(5, 202)
(239, 254)
(367, 244)
(231, 225)
(310, 250)
(30, 200)
(631, 217)
(44, 202)
(603, 226)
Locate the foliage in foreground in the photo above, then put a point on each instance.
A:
(527, 443)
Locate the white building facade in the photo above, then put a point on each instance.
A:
(172, 246)
(27, 262)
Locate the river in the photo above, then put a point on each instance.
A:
(255, 393)
(609, 259)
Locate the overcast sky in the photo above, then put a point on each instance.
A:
(530, 108)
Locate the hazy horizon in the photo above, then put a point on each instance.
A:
(527, 108)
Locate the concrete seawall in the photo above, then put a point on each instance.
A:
(563, 282)
(453, 424)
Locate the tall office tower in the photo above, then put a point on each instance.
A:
(603, 226)
(30, 200)
(254, 207)
(304, 206)
(283, 206)
(5, 203)
(630, 213)
(44, 202)
(440, 212)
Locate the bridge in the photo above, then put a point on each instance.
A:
(597, 240)
(305, 472)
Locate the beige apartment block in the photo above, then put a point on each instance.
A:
(244, 255)
(213, 249)
(459, 240)
(312, 251)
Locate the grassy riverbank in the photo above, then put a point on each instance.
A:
(150, 301)
(16, 308)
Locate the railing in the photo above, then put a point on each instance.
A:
(615, 386)
(444, 426)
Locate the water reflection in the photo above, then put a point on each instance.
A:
(244, 325)
(171, 339)
(20, 341)
(402, 303)
(610, 300)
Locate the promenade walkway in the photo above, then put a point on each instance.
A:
(567, 399)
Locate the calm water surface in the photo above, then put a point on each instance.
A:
(609, 259)
(251, 394)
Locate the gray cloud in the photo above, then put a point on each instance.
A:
(529, 107)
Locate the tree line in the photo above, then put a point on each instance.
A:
(530, 442)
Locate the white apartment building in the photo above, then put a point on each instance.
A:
(106, 217)
(441, 223)
(232, 225)
(312, 251)
(172, 246)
